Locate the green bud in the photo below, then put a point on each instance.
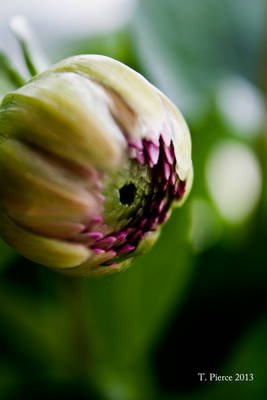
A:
(92, 158)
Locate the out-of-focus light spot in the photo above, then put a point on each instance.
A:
(241, 105)
(234, 180)
(205, 225)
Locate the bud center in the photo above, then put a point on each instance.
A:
(127, 194)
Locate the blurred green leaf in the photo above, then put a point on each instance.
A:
(40, 329)
(129, 311)
(187, 46)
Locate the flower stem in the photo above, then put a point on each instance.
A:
(33, 56)
(13, 75)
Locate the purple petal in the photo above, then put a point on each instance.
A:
(97, 220)
(166, 134)
(137, 235)
(140, 157)
(167, 170)
(112, 253)
(181, 189)
(152, 152)
(163, 217)
(98, 251)
(169, 154)
(106, 242)
(153, 222)
(120, 236)
(88, 238)
(99, 185)
(128, 230)
(164, 186)
(143, 223)
(100, 197)
(173, 178)
(161, 206)
(173, 190)
(136, 144)
(125, 249)
(94, 235)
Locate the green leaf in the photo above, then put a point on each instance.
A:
(130, 310)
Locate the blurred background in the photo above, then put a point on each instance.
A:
(197, 302)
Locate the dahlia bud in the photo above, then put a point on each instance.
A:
(92, 157)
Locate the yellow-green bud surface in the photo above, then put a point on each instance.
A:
(92, 158)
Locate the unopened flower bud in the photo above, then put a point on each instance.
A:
(92, 157)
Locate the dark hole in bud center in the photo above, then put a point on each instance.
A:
(127, 194)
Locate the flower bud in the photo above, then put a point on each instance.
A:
(92, 157)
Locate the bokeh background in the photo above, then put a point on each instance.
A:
(197, 301)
